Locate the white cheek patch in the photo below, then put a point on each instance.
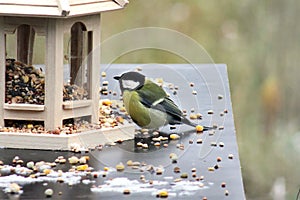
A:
(130, 84)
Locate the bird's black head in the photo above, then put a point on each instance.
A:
(130, 81)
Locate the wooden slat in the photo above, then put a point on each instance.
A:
(76, 104)
(93, 8)
(29, 10)
(30, 2)
(24, 107)
(80, 2)
(58, 8)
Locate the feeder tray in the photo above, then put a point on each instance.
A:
(86, 139)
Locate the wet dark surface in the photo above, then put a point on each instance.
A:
(211, 85)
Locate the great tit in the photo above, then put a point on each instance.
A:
(147, 103)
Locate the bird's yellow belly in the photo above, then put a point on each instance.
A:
(141, 115)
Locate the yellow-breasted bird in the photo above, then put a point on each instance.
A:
(148, 104)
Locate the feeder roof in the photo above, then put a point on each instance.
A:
(57, 8)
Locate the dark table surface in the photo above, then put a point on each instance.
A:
(212, 87)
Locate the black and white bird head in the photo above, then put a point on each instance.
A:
(131, 81)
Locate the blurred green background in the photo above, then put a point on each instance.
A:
(260, 43)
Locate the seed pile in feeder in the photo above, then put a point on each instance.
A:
(24, 83)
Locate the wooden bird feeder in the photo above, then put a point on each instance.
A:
(68, 30)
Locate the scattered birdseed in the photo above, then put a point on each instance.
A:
(192, 84)
(145, 146)
(103, 74)
(193, 169)
(204, 198)
(199, 141)
(210, 112)
(30, 165)
(210, 133)
(176, 170)
(106, 169)
(199, 128)
(177, 180)
(211, 169)
(221, 114)
(184, 175)
(214, 144)
(157, 144)
(194, 92)
(199, 116)
(159, 171)
(105, 83)
(162, 194)
(191, 141)
(219, 159)
(48, 192)
(220, 96)
(120, 167)
(173, 157)
(139, 69)
(174, 136)
(73, 160)
(216, 166)
(225, 111)
(194, 175)
(223, 184)
(221, 127)
(82, 167)
(230, 156)
(13, 188)
(226, 192)
(165, 145)
(221, 144)
(126, 191)
(193, 116)
(139, 144)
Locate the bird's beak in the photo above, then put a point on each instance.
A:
(117, 77)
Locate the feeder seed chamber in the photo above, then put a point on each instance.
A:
(33, 89)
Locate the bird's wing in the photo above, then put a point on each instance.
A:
(151, 93)
(153, 96)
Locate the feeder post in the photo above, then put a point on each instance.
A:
(53, 76)
(94, 67)
(2, 70)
